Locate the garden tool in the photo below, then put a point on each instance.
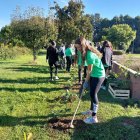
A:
(81, 93)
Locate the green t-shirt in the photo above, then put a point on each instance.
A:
(98, 68)
(79, 59)
(68, 52)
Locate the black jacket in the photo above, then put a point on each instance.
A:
(52, 54)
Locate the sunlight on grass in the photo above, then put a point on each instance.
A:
(28, 100)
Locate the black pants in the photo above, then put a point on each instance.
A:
(106, 72)
(51, 64)
(80, 72)
(95, 84)
(69, 62)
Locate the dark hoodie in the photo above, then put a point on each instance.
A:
(52, 53)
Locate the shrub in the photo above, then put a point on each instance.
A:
(9, 52)
(118, 52)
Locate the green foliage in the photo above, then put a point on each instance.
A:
(5, 34)
(72, 23)
(121, 36)
(32, 29)
(118, 52)
(10, 52)
(17, 42)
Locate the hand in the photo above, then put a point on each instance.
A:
(85, 85)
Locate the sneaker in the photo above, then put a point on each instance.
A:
(88, 112)
(91, 120)
(51, 80)
(56, 78)
(80, 83)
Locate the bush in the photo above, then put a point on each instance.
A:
(118, 52)
(9, 52)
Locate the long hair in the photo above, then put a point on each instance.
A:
(86, 45)
(109, 43)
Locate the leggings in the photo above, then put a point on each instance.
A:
(69, 62)
(95, 84)
(106, 73)
(51, 68)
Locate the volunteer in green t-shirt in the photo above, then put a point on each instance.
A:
(68, 53)
(95, 75)
(80, 62)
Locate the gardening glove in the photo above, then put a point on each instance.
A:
(85, 85)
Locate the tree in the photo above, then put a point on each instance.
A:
(6, 34)
(32, 28)
(137, 40)
(72, 22)
(121, 36)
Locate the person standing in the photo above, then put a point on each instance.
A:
(68, 53)
(62, 56)
(52, 57)
(95, 76)
(107, 53)
(80, 63)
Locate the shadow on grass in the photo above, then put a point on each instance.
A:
(121, 128)
(30, 68)
(35, 68)
(5, 62)
(27, 121)
(35, 80)
(47, 90)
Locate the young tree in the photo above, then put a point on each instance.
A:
(120, 35)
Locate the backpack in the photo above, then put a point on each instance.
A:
(61, 53)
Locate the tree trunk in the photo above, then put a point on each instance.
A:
(34, 54)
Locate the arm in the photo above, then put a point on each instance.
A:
(88, 72)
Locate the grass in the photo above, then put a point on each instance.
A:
(28, 101)
(129, 60)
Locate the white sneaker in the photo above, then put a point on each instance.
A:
(56, 78)
(88, 112)
(91, 120)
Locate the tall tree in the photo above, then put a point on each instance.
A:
(72, 22)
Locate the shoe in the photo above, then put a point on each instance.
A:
(51, 80)
(56, 78)
(103, 87)
(80, 83)
(91, 120)
(88, 112)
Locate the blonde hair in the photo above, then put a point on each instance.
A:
(87, 46)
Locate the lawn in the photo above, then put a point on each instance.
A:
(131, 61)
(28, 101)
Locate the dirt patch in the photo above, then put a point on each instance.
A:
(76, 87)
(64, 124)
(73, 87)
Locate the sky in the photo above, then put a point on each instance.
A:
(106, 8)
